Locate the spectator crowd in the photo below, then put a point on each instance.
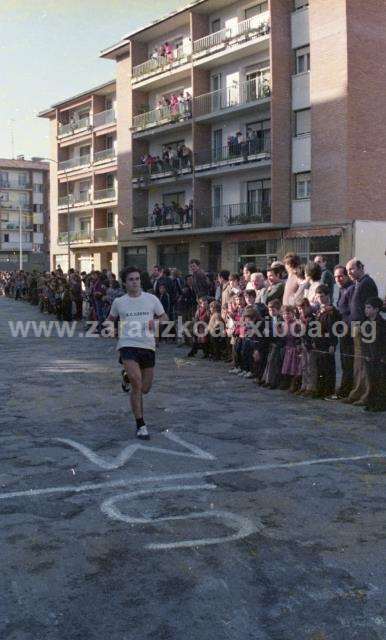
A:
(283, 328)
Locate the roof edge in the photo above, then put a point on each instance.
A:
(46, 112)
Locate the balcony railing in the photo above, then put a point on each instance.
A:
(234, 214)
(72, 199)
(234, 153)
(161, 169)
(14, 226)
(105, 235)
(105, 194)
(105, 154)
(163, 115)
(254, 27)
(166, 220)
(15, 206)
(79, 161)
(234, 96)
(74, 125)
(12, 184)
(104, 117)
(160, 64)
(99, 235)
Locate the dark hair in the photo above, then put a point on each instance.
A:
(292, 260)
(195, 261)
(251, 267)
(126, 272)
(252, 313)
(250, 292)
(341, 266)
(276, 270)
(375, 302)
(274, 303)
(224, 274)
(235, 276)
(323, 288)
(359, 264)
(314, 270)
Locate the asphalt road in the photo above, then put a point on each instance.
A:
(249, 515)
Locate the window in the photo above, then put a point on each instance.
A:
(174, 255)
(215, 25)
(178, 198)
(110, 181)
(110, 219)
(256, 9)
(85, 226)
(308, 248)
(302, 186)
(135, 257)
(302, 57)
(37, 208)
(261, 140)
(108, 103)
(4, 197)
(302, 122)
(261, 252)
(84, 151)
(4, 178)
(300, 4)
(22, 178)
(6, 237)
(38, 188)
(109, 142)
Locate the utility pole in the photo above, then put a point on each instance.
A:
(68, 210)
(20, 240)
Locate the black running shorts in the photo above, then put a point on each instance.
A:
(144, 357)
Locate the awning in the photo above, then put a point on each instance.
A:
(323, 232)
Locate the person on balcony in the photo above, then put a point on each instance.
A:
(174, 104)
(156, 215)
(169, 52)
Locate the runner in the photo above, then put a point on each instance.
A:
(137, 311)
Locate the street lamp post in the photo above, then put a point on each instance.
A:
(20, 240)
(68, 210)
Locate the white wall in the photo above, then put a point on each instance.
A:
(176, 87)
(234, 188)
(231, 126)
(155, 195)
(181, 32)
(301, 211)
(300, 23)
(236, 71)
(301, 91)
(370, 248)
(155, 147)
(301, 153)
(234, 13)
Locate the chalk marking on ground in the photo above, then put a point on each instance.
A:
(242, 526)
(186, 476)
(127, 453)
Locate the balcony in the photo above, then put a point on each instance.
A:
(162, 116)
(73, 126)
(105, 235)
(237, 96)
(144, 222)
(105, 194)
(228, 215)
(12, 184)
(160, 64)
(104, 155)
(104, 117)
(14, 226)
(255, 27)
(144, 174)
(15, 206)
(88, 237)
(72, 199)
(72, 163)
(235, 154)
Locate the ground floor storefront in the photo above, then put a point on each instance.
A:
(231, 251)
(88, 259)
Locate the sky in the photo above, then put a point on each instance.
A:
(49, 50)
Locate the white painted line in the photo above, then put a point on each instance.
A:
(242, 526)
(126, 453)
(187, 476)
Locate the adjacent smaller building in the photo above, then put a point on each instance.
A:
(24, 214)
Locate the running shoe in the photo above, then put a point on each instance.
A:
(142, 433)
(125, 381)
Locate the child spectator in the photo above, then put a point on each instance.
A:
(291, 369)
(272, 372)
(324, 345)
(308, 370)
(200, 329)
(216, 331)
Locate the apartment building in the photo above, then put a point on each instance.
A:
(267, 99)
(24, 214)
(84, 228)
